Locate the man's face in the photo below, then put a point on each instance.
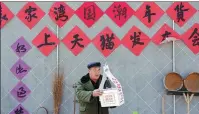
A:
(94, 73)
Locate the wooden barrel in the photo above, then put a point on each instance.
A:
(173, 81)
(192, 82)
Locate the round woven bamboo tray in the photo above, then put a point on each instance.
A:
(173, 81)
(192, 82)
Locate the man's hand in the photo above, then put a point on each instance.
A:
(97, 93)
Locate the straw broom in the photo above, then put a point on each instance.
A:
(57, 91)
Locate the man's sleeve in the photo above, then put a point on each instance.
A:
(83, 95)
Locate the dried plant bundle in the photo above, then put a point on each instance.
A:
(57, 91)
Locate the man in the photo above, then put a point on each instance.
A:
(88, 92)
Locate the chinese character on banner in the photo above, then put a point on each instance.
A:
(191, 38)
(106, 42)
(21, 47)
(60, 13)
(19, 110)
(149, 13)
(30, 14)
(20, 92)
(163, 33)
(76, 40)
(181, 12)
(46, 41)
(6, 14)
(89, 13)
(120, 12)
(135, 40)
(20, 69)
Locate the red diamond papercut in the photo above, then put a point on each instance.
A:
(30, 14)
(76, 40)
(46, 41)
(106, 42)
(181, 12)
(6, 14)
(191, 38)
(120, 12)
(164, 32)
(60, 13)
(89, 13)
(149, 13)
(135, 40)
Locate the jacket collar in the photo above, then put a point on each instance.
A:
(85, 78)
(87, 82)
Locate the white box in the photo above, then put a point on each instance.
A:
(109, 98)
